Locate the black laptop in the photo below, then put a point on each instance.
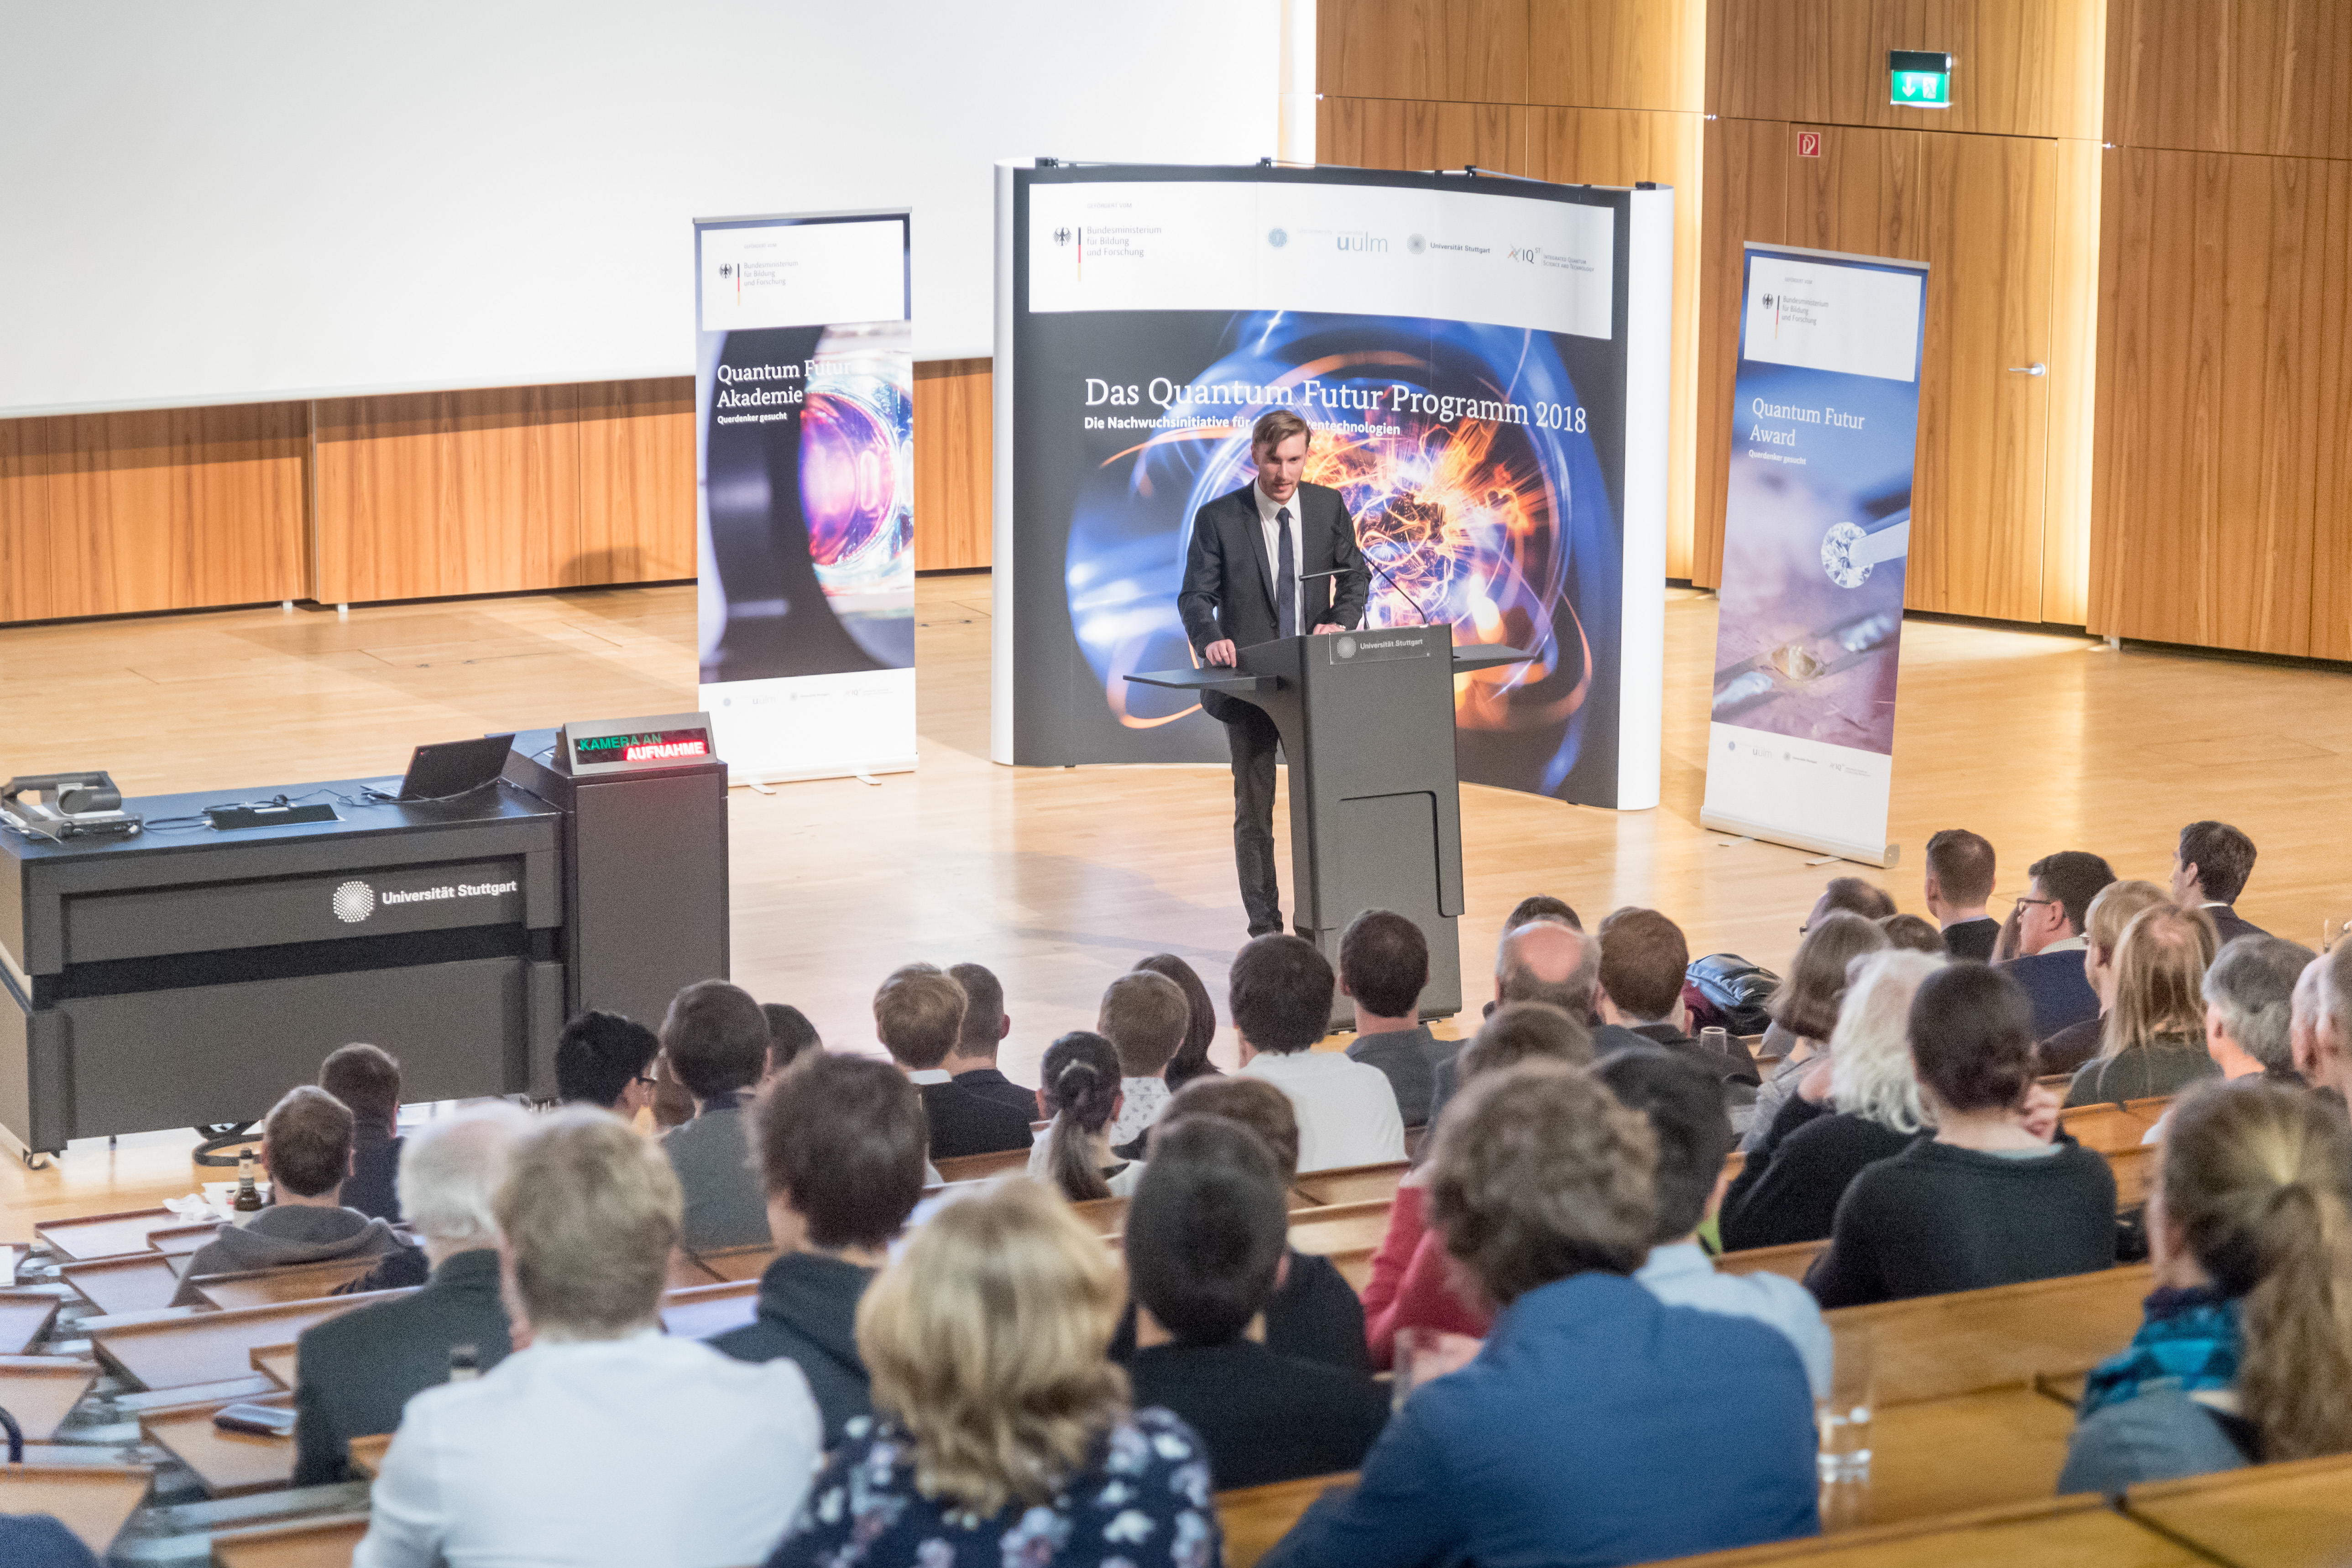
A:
(455, 767)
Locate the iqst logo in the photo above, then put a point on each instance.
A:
(354, 901)
(1521, 253)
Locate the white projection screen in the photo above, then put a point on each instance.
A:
(252, 200)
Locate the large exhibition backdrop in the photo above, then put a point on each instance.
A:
(1483, 361)
(804, 419)
(1825, 407)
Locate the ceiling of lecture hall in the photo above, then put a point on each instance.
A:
(273, 199)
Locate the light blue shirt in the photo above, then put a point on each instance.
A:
(1682, 1275)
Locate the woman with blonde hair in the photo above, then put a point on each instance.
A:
(1860, 1107)
(1002, 1433)
(2153, 1039)
(1805, 1008)
(2102, 932)
(2246, 1351)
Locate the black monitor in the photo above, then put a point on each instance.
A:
(453, 768)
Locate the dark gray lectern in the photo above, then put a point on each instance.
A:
(1366, 725)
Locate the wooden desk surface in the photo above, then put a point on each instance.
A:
(1949, 1456)
(2072, 1532)
(181, 1241)
(2110, 1128)
(2272, 1516)
(1106, 1218)
(306, 1544)
(1354, 1183)
(279, 1363)
(1340, 1226)
(40, 1391)
(1933, 1346)
(24, 1316)
(138, 1283)
(685, 1271)
(1254, 1517)
(2134, 1168)
(105, 1235)
(367, 1454)
(732, 1263)
(268, 1287)
(91, 1500)
(213, 1347)
(700, 1311)
(980, 1167)
(1791, 1260)
(227, 1464)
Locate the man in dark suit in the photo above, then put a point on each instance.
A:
(2209, 869)
(2050, 942)
(918, 1015)
(1272, 559)
(1960, 882)
(972, 1064)
(357, 1370)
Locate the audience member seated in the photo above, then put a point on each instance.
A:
(2245, 1356)
(39, 1541)
(604, 1440)
(2319, 1028)
(1080, 1093)
(1384, 969)
(355, 1373)
(1986, 1201)
(1538, 907)
(1804, 1010)
(1867, 1110)
(1411, 1284)
(2051, 919)
(972, 1064)
(1002, 1435)
(1960, 882)
(1144, 1017)
(367, 1080)
(1205, 1245)
(2117, 906)
(918, 1016)
(1643, 960)
(1598, 1425)
(2154, 1042)
(717, 1041)
(605, 1059)
(2209, 869)
(1191, 1057)
(1314, 1314)
(2249, 994)
(1684, 1101)
(839, 1142)
(1913, 934)
(306, 1151)
(1853, 896)
(1548, 959)
(789, 1037)
(1279, 998)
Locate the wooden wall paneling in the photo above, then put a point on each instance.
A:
(2020, 65)
(1744, 192)
(1620, 147)
(953, 463)
(636, 483)
(2073, 360)
(2232, 76)
(1617, 55)
(1397, 133)
(1768, 59)
(1466, 50)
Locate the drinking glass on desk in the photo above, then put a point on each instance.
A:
(1717, 1040)
(1843, 1417)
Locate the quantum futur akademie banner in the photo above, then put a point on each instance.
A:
(1484, 364)
(804, 454)
(1825, 419)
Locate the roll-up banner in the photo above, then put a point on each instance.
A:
(1484, 363)
(804, 417)
(1826, 421)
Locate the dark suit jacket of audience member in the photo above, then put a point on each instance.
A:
(1789, 1189)
(1316, 1316)
(725, 1204)
(1409, 1058)
(373, 1185)
(1937, 1218)
(808, 1315)
(354, 1373)
(1972, 939)
(964, 1123)
(2072, 1045)
(2231, 925)
(2060, 993)
(1733, 1065)
(1265, 1417)
(991, 1084)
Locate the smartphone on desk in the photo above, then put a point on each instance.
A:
(260, 1420)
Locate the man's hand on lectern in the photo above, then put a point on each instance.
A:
(1219, 652)
(1323, 628)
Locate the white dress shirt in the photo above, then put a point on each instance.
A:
(1347, 1110)
(645, 1452)
(1267, 508)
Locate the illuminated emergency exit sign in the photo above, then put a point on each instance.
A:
(1917, 79)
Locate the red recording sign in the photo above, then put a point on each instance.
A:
(1809, 143)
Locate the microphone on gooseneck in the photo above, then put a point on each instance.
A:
(1384, 572)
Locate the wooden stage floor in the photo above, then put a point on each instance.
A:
(1060, 879)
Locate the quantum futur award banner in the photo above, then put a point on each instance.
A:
(1801, 739)
(1484, 364)
(804, 417)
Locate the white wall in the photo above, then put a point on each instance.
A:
(252, 199)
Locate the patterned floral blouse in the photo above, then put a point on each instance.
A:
(1141, 1502)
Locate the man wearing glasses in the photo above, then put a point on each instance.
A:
(2050, 920)
(605, 1059)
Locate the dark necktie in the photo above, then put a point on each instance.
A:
(1286, 580)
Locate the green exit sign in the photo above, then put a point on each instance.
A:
(1918, 78)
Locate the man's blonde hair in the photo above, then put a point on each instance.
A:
(987, 1341)
(591, 1213)
(1277, 426)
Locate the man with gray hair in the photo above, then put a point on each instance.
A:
(2322, 1021)
(2249, 1002)
(355, 1372)
(1546, 960)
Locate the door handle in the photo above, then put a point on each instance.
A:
(2029, 370)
